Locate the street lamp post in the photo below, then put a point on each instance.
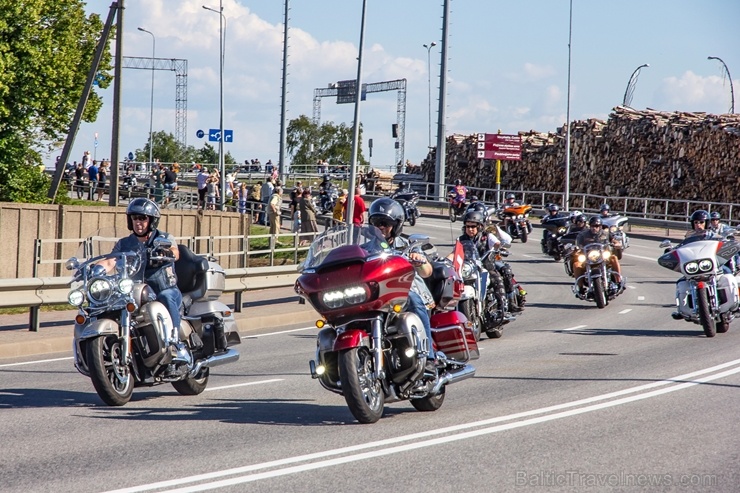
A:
(429, 82)
(630, 91)
(729, 77)
(151, 98)
(221, 169)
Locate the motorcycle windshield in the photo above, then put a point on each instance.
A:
(97, 247)
(365, 240)
(469, 250)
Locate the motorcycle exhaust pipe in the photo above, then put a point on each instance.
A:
(229, 356)
(453, 376)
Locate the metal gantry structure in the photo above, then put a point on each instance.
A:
(390, 85)
(180, 67)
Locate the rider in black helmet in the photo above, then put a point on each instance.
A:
(716, 226)
(699, 223)
(604, 210)
(388, 216)
(595, 234)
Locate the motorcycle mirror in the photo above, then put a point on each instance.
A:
(162, 243)
(665, 244)
(418, 238)
(72, 264)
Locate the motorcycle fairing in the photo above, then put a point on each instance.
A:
(350, 339)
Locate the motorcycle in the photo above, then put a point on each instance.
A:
(408, 200)
(368, 350)
(706, 294)
(328, 200)
(457, 206)
(121, 333)
(517, 221)
(599, 277)
(554, 228)
(617, 235)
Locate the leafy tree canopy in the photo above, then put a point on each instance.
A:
(167, 149)
(307, 142)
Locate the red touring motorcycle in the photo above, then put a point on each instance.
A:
(369, 350)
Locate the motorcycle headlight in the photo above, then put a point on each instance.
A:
(691, 267)
(467, 270)
(349, 296)
(612, 229)
(562, 230)
(593, 255)
(520, 216)
(76, 297)
(706, 265)
(125, 286)
(581, 257)
(99, 290)
(606, 254)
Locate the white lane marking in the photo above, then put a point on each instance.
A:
(631, 287)
(640, 298)
(575, 328)
(675, 383)
(244, 384)
(36, 361)
(266, 334)
(625, 311)
(654, 259)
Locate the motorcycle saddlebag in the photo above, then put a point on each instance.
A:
(453, 337)
(445, 285)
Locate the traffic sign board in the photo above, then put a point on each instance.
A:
(499, 146)
(214, 135)
(200, 134)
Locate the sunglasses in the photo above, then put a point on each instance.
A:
(382, 224)
(140, 217)
(698, 222)
(471, 226)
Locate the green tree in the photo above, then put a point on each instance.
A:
(307, 143)
(168, 150)
(45, 49)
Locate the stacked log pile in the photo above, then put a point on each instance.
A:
(671, 155)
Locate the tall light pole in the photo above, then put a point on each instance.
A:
(221, 169)
(151, 98)
(567, 114)
(630, 91)
(429, 81)
(729, 77)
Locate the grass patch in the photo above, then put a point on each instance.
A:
(44, 308)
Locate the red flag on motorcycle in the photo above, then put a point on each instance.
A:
(458, 256)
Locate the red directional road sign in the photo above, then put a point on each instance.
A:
(500, 146)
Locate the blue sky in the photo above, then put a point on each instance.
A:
(507, 68)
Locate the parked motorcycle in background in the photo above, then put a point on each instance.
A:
(707, 292)
(517, 221)
(368, 349)
(617, 234)
(121, 334)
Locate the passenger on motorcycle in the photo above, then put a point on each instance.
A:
(142, 219)
(474, 230)
(388, 216)
(715, 225)
(595, 234)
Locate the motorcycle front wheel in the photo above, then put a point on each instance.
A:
(600, 293)
(467, 308)
(362, 392)
(525, 235)
(705, 315)
(193, 385)
(113, 382)
(412, 219)
(453, 216)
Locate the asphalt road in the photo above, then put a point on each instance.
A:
(571, 398)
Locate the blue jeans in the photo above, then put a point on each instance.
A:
(416, 305)
(172, 299)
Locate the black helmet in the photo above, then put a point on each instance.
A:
(458, 182)
(604, 208)
(474, 216)
(594, 221)
(145, 207)
(326, 177)
(473, 198)
(715, 216)
(385, 209)
(553, 207)
(577, 217)
(402, 184)
(478, 207)
(700, 215)
(510, 196)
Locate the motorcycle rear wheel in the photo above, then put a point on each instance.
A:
(113, 383)
(453, 215)
(193, 385)
(430, 403)
(705, 315)
(364, 396)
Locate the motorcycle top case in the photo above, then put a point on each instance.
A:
(215, 281)
(453, 337)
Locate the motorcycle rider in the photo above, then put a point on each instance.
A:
(553, 214)
(142, 219)
(700, 224)
(577, 222)
(458, 193)
(509, 201)
(324, 189)
(403, 188)
(717, 226)
(595, 234)
(474, 230)
(388, 216)
(604, 210)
